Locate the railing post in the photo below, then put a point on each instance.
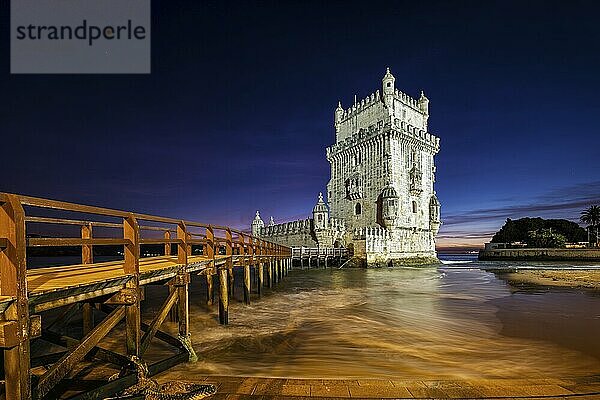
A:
(208, 251)
(13, 282)
(229, 253)
(87, 257)
(184, 250)
(131, 266)
(167, 236)
(168, 251)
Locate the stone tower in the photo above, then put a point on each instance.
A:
(382, 176)
(380, 196)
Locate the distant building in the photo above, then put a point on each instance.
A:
(381, 198)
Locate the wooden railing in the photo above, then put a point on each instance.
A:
(319, 252)
(218, 248)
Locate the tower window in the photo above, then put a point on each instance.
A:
(389, 84)
(414, 206)
(357, 209)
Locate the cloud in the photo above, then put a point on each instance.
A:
(566, 202)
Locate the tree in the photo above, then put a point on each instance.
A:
(591, 217)
(545, 238)
(518, 230)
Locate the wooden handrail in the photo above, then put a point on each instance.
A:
(63, 221)
(55, 242)
(160, 241)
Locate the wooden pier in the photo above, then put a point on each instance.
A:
(316, 256)
(114, 289)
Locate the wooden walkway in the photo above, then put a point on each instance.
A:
(114, 288)
(316, 256)
(253, 388)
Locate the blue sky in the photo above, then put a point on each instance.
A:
(238, 110)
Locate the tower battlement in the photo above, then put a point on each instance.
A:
(381, 107)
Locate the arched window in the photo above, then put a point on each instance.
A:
(414, 206)
(357, 209)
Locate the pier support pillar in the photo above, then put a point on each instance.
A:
(183, 312)
(210, 291)
(247, 284)
(280, 269)
(13, 271)
(270, 274)
(223, 297)
(260, 278)
(231, 281)
(131, 231)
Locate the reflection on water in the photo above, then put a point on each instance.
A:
(455, 321)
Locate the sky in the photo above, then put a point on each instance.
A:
(238, 110)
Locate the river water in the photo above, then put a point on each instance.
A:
(453, 321)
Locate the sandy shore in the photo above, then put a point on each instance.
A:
(585, 279)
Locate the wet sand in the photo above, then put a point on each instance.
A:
(581, 279)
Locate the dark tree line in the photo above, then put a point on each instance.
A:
(518, 230)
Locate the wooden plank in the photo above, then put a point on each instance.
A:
(59, 370)
(113, 387)
(158, 320)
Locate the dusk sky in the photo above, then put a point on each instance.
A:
(238, 109)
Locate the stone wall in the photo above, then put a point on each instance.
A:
(540, 254)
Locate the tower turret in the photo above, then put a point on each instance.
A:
(271, 221)
(339, 112)
(389, 203)
(320, 214)
(424, 104)
(337, 118)
(434, 214)
(257, 224)
(388, 83)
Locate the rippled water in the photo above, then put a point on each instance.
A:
(451, 321)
